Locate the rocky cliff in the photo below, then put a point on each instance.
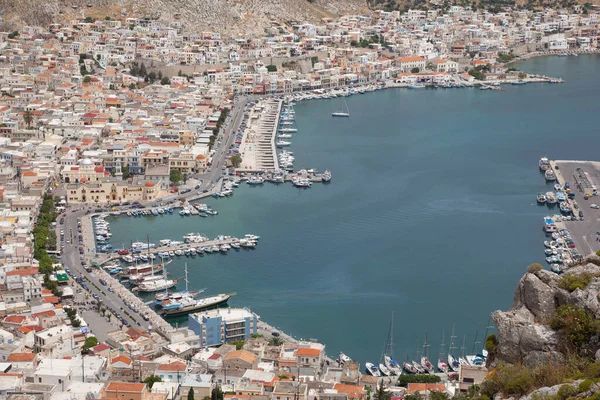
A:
(230, 17)
(523, 332)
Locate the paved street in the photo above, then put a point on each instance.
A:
(583, 232)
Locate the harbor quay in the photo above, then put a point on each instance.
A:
(583, 177)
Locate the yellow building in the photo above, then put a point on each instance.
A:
(111, 190)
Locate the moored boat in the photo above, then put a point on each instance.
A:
(194, 305)
(550, 175)
(372, 369)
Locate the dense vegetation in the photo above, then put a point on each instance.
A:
(405, 379)
(222, 118)
(571, 282)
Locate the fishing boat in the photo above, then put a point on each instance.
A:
(326, 176)
(541, 198)
(550, 198)
(564, 207)
(518, 82)
(416, 86)
(550, 175)
(561, 196)
(195, 305)
(557, 187)
(282, 143)
(344, 113)
(343, 358)
(372, 369)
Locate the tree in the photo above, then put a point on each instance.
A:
(275, 341)
(151, 380)
(107, 18)
(236, 161)
(90, 342)
(216, 394)
(415, 70)
(142, 71)
(353, 43)
(238, 344)
(175, 176)
(272, 68)
(165, 81)
(152, 77)
(191, 394)
(28, 118)
(89, 20)
(522, 75)
(126, 172)
(87, 79)
(381, 393)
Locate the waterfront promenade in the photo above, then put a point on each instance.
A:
(257, 148)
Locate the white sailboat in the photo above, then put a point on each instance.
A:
(342, 113)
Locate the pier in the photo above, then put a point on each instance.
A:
(257, 148)
(183, 247)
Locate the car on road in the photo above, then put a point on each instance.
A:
(110, 289)
(96, 296)
(125, 322)
(581, 213)
(276, 334)
(205, 191)
(103, 282)
(595, 206)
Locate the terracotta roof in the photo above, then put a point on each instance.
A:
(420, 387)
(125, 387)
(353, 391)
(123, 359)
(410, 59)
(304, 351)
(15, 319)
(242, 355)
(21, 357)
(101, 347)
(174, 366)
(214, 357)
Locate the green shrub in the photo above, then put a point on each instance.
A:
(491, 342)
(509, 380)
(404, 380)
(585, 385)
(598, 253)
(578, 328)
(571, 282)
(565, 392)
(533, 268)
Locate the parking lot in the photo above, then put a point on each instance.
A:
(584, 233)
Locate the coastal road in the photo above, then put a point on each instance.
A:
(72, 260)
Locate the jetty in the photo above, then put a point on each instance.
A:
(257, 148)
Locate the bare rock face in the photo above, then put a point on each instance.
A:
(228, 17)
(523, 331)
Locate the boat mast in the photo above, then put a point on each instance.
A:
(442, 345)
(462, 349)
(425, 346)
(452, 337)
(388, 348)
(475, 341)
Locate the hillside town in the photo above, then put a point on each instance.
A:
(98, 115)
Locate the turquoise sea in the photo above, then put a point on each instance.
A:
(430, 214)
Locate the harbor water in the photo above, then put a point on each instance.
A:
(430, 214)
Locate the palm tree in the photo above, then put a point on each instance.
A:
(276, 341)
(28, 118)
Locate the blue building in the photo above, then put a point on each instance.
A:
(222, 325)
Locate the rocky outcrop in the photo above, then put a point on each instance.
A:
(523, 331)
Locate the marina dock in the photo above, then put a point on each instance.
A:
(258, 150)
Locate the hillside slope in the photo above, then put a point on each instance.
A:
(225, 16)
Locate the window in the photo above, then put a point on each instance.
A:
(39, 380)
